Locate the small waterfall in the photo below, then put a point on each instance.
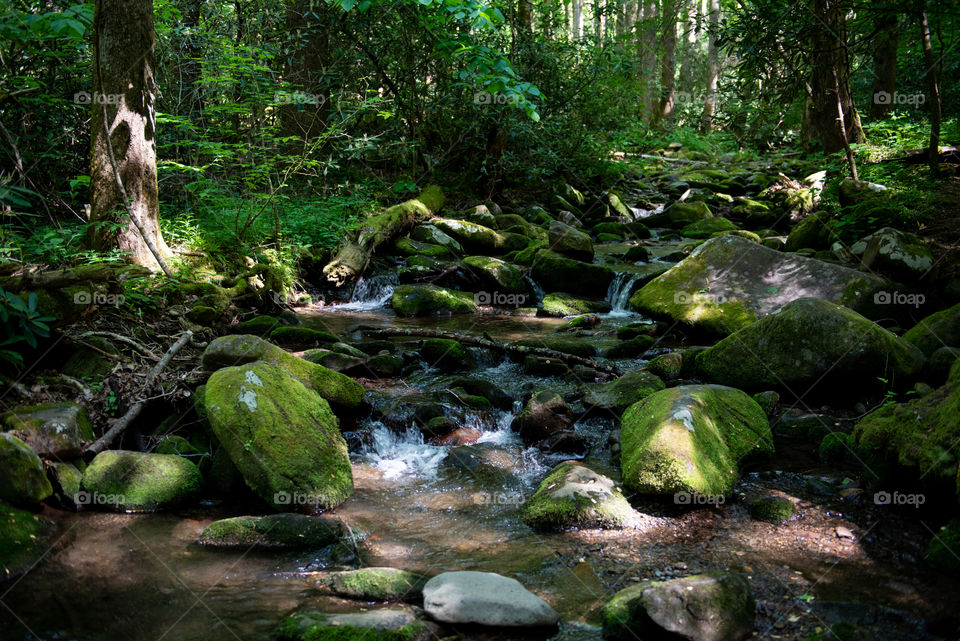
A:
(538, 292)
(370, 293)
(403, 455)
(618, 294)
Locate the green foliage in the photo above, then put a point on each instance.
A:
(22, 323)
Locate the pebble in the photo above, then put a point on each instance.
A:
(844, 533)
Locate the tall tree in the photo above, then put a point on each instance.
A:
(123, 155)
(713, 67)
(668, 67)
(933, 87)
(887, 28)
(648, 56)
(304, 109)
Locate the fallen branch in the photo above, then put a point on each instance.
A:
(123, 422)
(121, 339)
(489, 343)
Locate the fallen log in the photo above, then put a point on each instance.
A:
(352, 258)
(489, 343)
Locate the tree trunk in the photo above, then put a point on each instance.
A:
(664, 111)
(304, 109)
(933, 86)
(124, 91)
(577, 28)
(713, 68)
(524, 15)
(884, 66)
(648, 57)
(829, 53)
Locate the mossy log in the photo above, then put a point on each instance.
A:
(353, 257)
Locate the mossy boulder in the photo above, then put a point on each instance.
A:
(631, 348)
(707, 227)
(24, 540)
(570, 241)
(283, 437)
(942, 551)
(691, 438)
(335, 387)
(426, 300)
(408, 247)
(474, 238)
(555, 272)
(23, 481)
(936, 330)
(54, 430)
(811, 342)
(85, 362)
(679, 215)
(560, 304)
(433, 235)
(258, 325)
(139, 482)
(301, 337)
(372, 584)
(728, 282)
(203, 315)
(816, 231)
(905, 257)
(668, 367)
(544, 366)
(637, 253)
(498, 276)
(755, 212)
(620, 394)
(574, 496)
(383, 625)
(705, 607)
(544, 415)
(274, 532)
(772, 509)
(445, 354)
(564, 345)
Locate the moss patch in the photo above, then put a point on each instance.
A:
(573, 495)
(23, 481)
(425, 300)
(372, 584)
(772, 509)
(23, 540)
(139, 482)
(274, 531)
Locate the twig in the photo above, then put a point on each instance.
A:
(122, 423)
(123, 339)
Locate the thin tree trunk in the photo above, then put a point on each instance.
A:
(303, 110)
(713, 68)
(884, 66)
(933, 87)
(668, 68)
(123, 154)
(648, 57)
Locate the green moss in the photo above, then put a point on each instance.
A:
(496, 274)
(637, 253)
(460, 396)
(203, 315)
(274, 531)
(283, 438)
(408, 247)
(474, 238)
(53, 430)
(373, 584)
(620, 394)
(445, 354)
(316, 626)
(23, 540)
(560, 304)
(333, 386)
(178, 446)
(772, 509)
(138, 482)
(667, 366)
(301, 336)
(526, 256)
(936, 330)
(88, 363)
(742, 233)
(23, 481)
(259, 325)
(835, 446)
(555, 272)
(942, 551)
(572, 495)
(631, 348)
(425, 300)
(707, 227)
(564, 345)
(541, 366)
(680, 214)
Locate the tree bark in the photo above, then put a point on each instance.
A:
(304, 109)
(884, 66)
(648, 57)
(668, 68)
(933, 87)
(713, 68)
(123, 118)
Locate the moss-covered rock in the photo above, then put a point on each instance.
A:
(567, 240)
(383, 625)
(66, 480)
(705, 607)
(23, 481)
(631, 348)
(620, 394)
(258, 325)
(679, 215)
(432, 234)
(372, 584)
(54, 430)
(474, 238)
(565, 345)
(811, 342)
(707, 227)
(283, 438)
(816, 231)
(203, 315)
(728, 282)
(446, 354)
(555, 272)
(574, 496)
(139, 482)
(544, 415)
(637, 253)
(496, 275)
(544, 366)
(691, 439)
(274, 531)
(560, 304)
(755, 212)
(88, 362)
(668, 367)
(333, 386)
(302, 337)
(904, 256)
(24, 540)
(409, 247)
(835, 447)
(936, 330)
(768, 400)
(426, 300)
(942, 551)
(772, 509)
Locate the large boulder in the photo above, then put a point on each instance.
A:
(567, 240)
(382, 625)
(485, 598)
(901, 255)
(811, 342)
(372, 584)
(432, 234)
(560, 304)
(283, 437)
(555, 272)
(337, 388)
(544, 415)
(499, 277)
(274, 532)
(53, 430)
(936, 331)
(728, 282)
(24, 540)
(474, 238)
(446, 354)
(705, 607)
(23, 481)
(691, 439)
(679, 215)
(137, 481)
(620, 394)
(573, 495)
(856, 192)
(708, 227)
(426, 300)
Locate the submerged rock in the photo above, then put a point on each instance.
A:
(573, 495)
(138, 481)
(383, 625)
(728, 282)
(705, 607)
(485, 598)
(691, 439)
(274, 531)
(283, 438)
(24, 540)
(811, 342)
(23, 481)
(372, 584)
(426, 300)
